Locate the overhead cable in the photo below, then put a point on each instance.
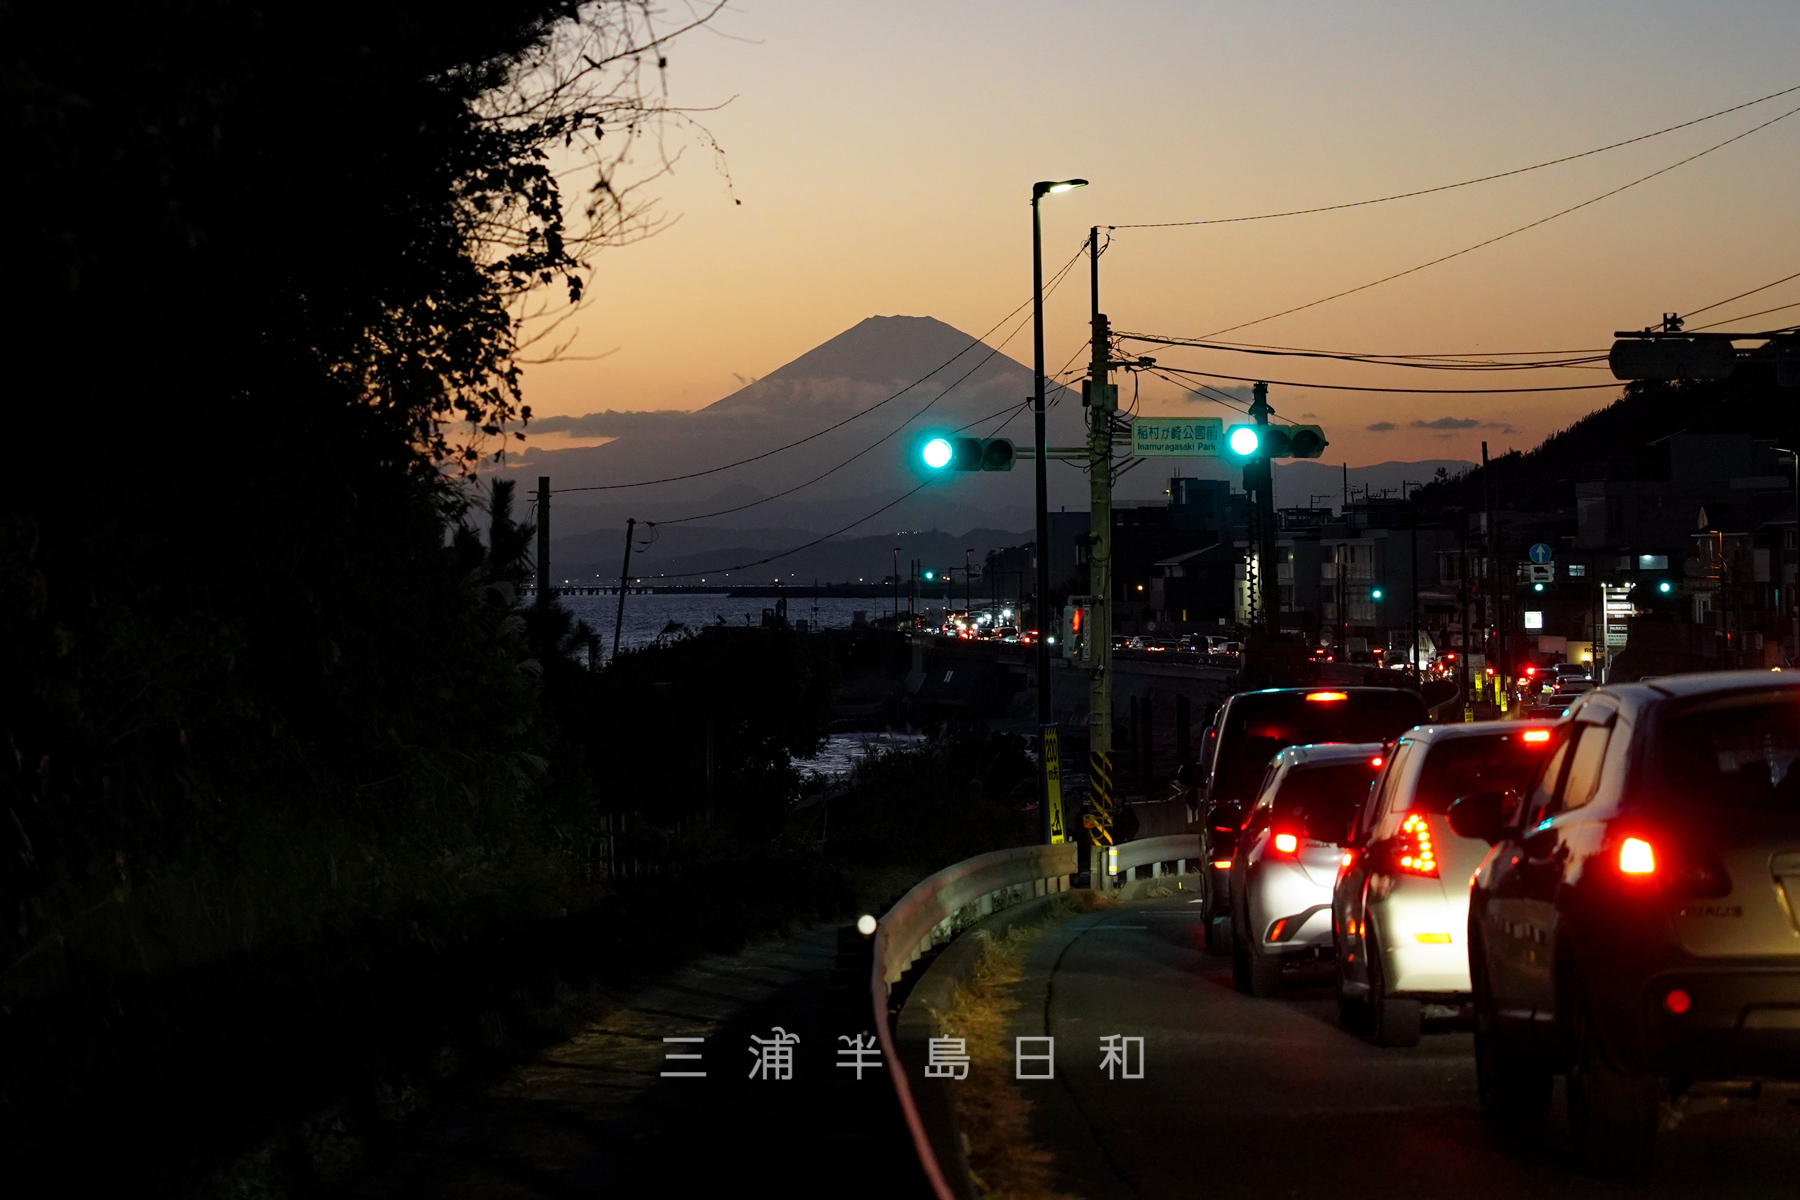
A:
(1423, 362)
(609, 487)
(1509, 233)
(1694, 312)
(1340, 387)
(929, 480)
(1300, 212)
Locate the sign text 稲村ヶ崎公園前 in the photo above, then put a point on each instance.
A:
(1177, 437)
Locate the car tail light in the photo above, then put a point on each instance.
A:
(1327, 696)
(1415, 853)
(1223, 864)
(1287, 843)
(1376, 761)
(1535, 736)
(1678, 1001)
(1636, 857)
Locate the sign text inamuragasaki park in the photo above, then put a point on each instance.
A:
(1177, 437)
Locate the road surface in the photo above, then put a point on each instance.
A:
(1270, 1098)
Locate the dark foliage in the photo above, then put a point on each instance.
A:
(1620, 439)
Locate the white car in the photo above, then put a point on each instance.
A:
(1401, 904)
(1287, 858)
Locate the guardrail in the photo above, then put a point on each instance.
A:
(935, 911)
(958, 896)
(1178, 848)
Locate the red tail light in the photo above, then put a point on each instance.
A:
(1415, 853)
(1326, 696)
(1636, 857)
(1287, 843)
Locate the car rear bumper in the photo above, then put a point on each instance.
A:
(1737, 1023)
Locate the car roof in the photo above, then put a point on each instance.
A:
(1429, 734)
(1315, 753)
(1323, 687)
(1713, 681)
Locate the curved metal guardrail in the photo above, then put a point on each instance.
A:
(1182, 849)
(958, 896)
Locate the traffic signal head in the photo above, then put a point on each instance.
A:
(1276, 441)
(968, 454)
(1306, 441)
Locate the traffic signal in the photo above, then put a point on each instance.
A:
(1665, 587)
(1276, 441)
(1375, 594)
(968, 454)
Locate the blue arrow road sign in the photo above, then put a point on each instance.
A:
(1540, 553)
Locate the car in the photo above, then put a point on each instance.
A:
(1287, 858)
(1546, 710)
(1249, 729)
(1571, 685)
(1400, 900)
(1636, 925)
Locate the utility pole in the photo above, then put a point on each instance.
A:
(896, 587)
(1259, 474)
(1102, 402)
(1417, 681)
(619, 621)
(1492, 628)
(543, 543)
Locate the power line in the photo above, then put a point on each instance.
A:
(1765, 312)
(1300, 212)
(1509, 233)
(1339, 387)
(609, 487)
(1421, 362)
(1048, 291)
(833, 470)
(929, 480)
(1720, 303)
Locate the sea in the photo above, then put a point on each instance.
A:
(648, 617)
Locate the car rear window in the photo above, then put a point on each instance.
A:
(1337, 788)
(1260, 725)
(1738, 752)
(1458, 767)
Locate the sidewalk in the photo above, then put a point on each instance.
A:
(595, 1115)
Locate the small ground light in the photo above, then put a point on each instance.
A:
(866, 924)
(1678, 1001)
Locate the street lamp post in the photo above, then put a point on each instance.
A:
(1046, 721)
(1794, 592)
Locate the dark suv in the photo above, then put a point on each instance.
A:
(1636, 925)
(1250, 729)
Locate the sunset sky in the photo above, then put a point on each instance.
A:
(883, 157)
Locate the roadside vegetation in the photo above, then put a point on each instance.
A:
(993, 1113)
(298, 793)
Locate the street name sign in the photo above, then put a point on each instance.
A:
(1178, 437)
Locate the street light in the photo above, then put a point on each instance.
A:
(1795, 599)
(1045, 722)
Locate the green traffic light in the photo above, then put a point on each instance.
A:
(936, 453)
(1376, 593)
(1537, 587)
(1244, 441)
(930, 575)
(1665, 587)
